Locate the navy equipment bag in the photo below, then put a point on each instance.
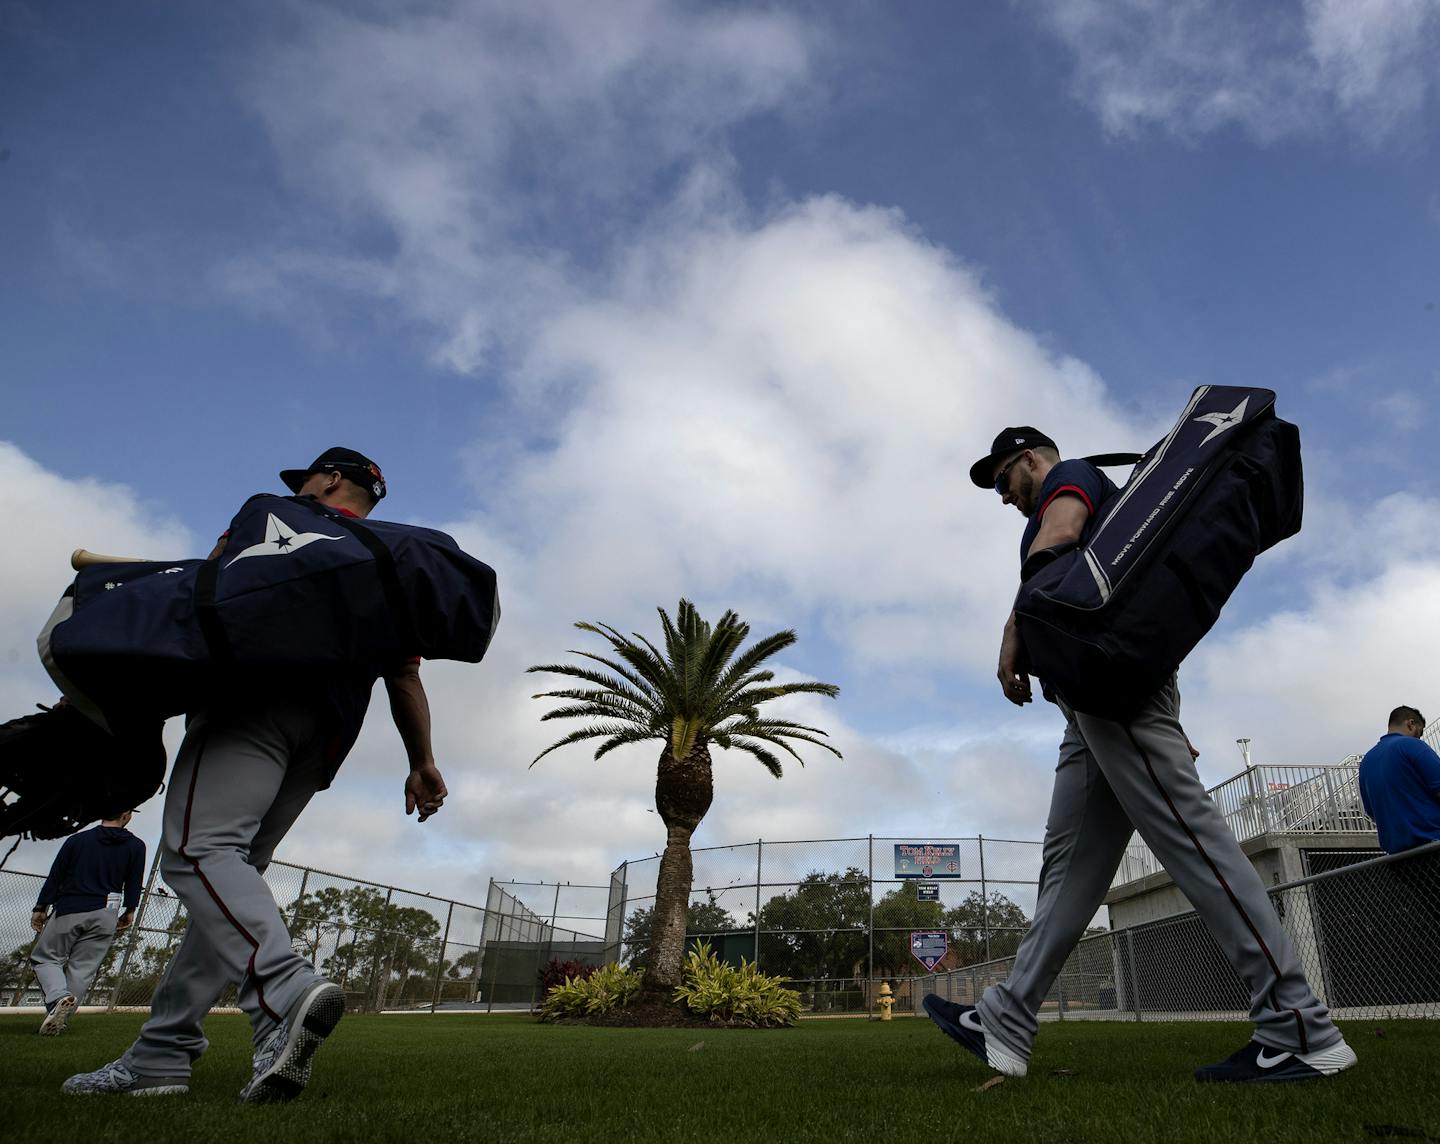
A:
(298, 587)
(1106, 622)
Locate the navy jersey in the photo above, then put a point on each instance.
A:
(90, 867)
(1068, 478)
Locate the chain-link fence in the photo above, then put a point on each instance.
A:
(1366, 929)
(832, 915)
(829, 915)
(388, 948)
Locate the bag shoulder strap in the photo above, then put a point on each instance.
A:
(384, 562)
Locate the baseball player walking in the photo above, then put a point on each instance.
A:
(1112, 779)
(250, 762)
(74, 939)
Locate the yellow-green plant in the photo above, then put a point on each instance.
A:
(605, 989)
(732, 996)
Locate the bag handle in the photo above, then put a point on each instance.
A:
(1108, 460)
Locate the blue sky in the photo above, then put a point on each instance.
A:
(647, 299)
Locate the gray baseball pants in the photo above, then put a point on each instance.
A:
(241, 780)
(70, 950)
(1113, 777)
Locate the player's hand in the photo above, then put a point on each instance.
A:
(1013, 680)
(37, 920)
(424, 791)
(126, 920)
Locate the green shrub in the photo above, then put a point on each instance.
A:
(731, 996)
(600, 992)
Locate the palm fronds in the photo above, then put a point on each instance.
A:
(698, 687)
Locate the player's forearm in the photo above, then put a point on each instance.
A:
(410, 709)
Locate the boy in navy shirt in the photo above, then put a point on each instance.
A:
(90, 867)
(1400, 784)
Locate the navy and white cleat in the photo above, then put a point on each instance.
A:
(57, 1016)
(961, 1023)
(1257, 1063)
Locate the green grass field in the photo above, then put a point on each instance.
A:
(503, 1078)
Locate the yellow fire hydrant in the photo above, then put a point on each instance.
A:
(886, 1000)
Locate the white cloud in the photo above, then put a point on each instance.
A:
(791, 404)
(473, 132)
(1375, 57)
(1273, 70)
(1315, 683)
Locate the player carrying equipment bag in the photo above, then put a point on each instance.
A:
(1107, 622)
(298, 587)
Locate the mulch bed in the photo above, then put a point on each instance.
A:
(642, 1014)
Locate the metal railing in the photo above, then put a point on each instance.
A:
(1262, 800)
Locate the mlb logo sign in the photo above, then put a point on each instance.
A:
(929, 948)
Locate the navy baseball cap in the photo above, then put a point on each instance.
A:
(348, 463)
(1007, 441)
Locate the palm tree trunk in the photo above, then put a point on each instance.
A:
(683, 792)
(672, 900)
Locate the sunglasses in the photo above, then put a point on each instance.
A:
(1002, 479)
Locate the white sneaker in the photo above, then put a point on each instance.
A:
(57, 1016)
(117, 1078)
(282, 1062)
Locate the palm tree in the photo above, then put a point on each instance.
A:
(689, 696)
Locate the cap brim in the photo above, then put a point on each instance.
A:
(294, 478)
(982, 472)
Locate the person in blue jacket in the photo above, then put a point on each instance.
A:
(1400, 784)
(91, 866)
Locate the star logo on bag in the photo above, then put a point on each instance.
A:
(280, 538)
(1223, 421)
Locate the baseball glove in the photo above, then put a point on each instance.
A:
(59, 771)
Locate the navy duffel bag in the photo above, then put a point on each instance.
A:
(298, 587)
(1105, 623)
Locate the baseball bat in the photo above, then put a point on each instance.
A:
(84, 558)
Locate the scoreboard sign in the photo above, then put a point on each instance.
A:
(927, 860)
